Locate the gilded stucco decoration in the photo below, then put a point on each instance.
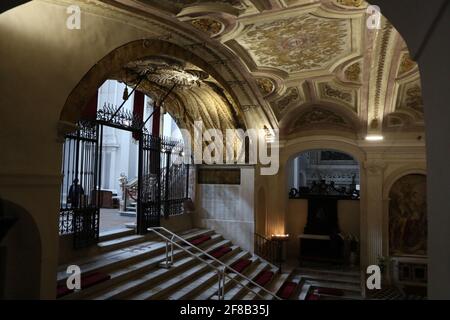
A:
(289, 97)
(318, 117)
(197, 96)
(353, 72)
(335, 93)
(410, 97)
(351, 3)
(413, 98)
(209, 26)
(265, 85)
(183, 3)
(406, 64)
(167, 73)
(299, 43)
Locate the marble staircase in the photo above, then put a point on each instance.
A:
(133, 265)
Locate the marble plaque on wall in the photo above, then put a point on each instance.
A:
(219, 176)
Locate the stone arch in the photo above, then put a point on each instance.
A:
(20, 261)
(132, 51)
(329, 142)
(12, 4)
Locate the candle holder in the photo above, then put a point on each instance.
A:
(279, 239)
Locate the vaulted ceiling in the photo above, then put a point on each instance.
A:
(315, 63)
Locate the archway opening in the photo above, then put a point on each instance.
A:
(323, 212)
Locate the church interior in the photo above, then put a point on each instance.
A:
(101, 103)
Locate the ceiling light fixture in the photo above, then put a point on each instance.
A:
(374, 137)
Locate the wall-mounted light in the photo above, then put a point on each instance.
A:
(374, 137)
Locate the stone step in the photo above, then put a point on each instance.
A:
(350, 274)
(146, 280)
(120, 257)
(211, 290)
(343, 286)
(300, 282)
(195, 287)
(331, 278)
(120, 242)
(304, 290)
(131, 214)
(164, 289)
(275, 285)
(133, 269)
(258, 293)
(114, 234)
(237, 291)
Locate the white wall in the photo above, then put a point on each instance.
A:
(228, 209)
(119, 148)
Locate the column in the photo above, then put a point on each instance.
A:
(374, 211)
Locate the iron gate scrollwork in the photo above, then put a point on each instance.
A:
(79, 203)
(174, 177)
(162, 184)
(149, 186)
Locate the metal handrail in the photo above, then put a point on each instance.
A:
(220, 271)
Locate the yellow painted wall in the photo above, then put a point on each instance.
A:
(296, 217)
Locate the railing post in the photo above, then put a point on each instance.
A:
(166, 182)
(221, 283)
(187, 180)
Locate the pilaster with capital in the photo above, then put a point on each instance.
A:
(374, 210)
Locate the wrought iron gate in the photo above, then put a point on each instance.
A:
(80, 196)
(163, 178)
(149, 183)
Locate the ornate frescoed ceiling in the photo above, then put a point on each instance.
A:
(298, 43)
(194, 93)
(287, 57)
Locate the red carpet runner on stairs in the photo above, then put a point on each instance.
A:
(264, 277)
(199, 240)
(220, 252)
(287, 289)
(241, 264)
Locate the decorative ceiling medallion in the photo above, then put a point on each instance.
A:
(291, 95)
(265, 85)
(318, 116)
(406, 64)
(210, 26)
(299, 43)
(351, 3)
(353, 72)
